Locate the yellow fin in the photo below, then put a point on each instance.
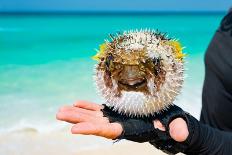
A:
(100, 53)
(177, 49)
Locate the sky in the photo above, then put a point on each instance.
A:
(114, 5)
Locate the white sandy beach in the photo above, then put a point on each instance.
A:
(28, 142)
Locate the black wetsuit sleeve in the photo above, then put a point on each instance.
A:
(217, 97)
(217, 89)
(207, 140)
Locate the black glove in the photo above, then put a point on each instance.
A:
(134, 129)
(142, 129)
(164, 141)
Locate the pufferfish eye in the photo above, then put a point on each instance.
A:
(156, 61)
(109, 62)
(157, 65)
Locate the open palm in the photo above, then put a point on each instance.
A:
(89, 120)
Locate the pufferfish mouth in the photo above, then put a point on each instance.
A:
(133, 83)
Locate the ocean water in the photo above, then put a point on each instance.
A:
(45, 61)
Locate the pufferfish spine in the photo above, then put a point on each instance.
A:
(139, 73)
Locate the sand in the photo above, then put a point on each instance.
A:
(125, 148)
(30, 142)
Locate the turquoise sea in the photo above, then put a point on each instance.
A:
(45, 61)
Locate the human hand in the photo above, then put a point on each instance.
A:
(178, 129)
(168, 130)
(89, 120)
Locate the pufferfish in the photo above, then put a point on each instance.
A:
(139, 72)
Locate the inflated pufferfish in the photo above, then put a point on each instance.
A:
(139, 73)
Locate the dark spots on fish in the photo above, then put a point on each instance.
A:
(157, 65)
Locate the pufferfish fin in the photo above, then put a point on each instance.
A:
(100, 53)
(178, 49)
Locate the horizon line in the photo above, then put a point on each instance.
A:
(126, 12)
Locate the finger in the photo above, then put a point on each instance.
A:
(178, 130)
(109, 130)
(88, 105)
(72, 117)
(86, 128)
(81, 110)
(159, 125)
(77, 117)
(64, 108)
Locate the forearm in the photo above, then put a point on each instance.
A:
(207, 140)
(201, 139)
